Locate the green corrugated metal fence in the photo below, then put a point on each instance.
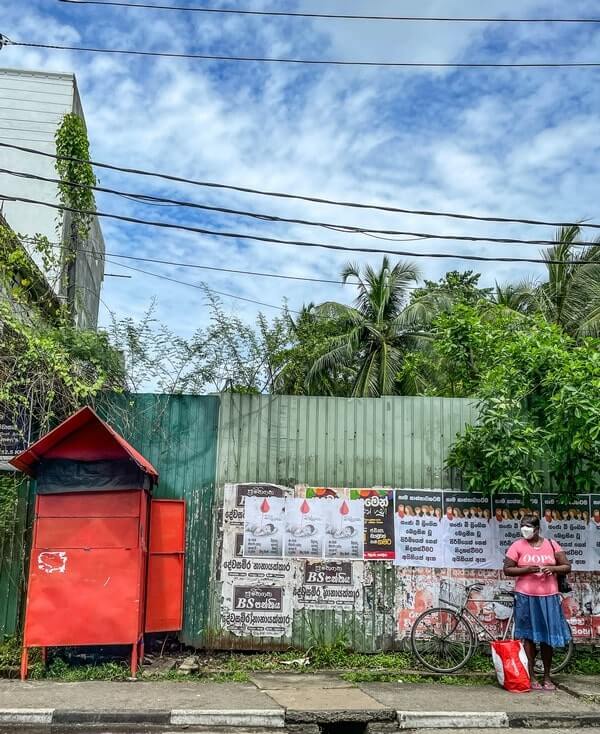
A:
(178, 434)
(337, 442)
(12, 555)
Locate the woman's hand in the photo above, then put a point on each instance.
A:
(548, 570)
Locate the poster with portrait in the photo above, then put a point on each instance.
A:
(336, 585)
(507, 512)
(305, 521)
(257, 610)
(235, 496)
(418, 528)
(467, 531)
(344, 529)
(379, 522)
(264, 526)
(568, 525)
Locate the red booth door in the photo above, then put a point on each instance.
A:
(164, 600)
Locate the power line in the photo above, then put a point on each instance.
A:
(297, 243)
(290, 14)
(312, 62)
(299, 197)
(202, 287)
(264, 217)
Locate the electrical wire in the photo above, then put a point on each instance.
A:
(296, 243)
(202, 287)
(312, 62)
(290, 14)
(265, 217)
(299, 197)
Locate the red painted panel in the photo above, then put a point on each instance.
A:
(164, 600)
(165, 593)
(89, 504)
(167, 526)
(79, 597)
(87, 532)
(91, 442)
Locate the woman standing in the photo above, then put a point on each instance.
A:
(534, 562)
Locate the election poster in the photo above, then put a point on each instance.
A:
(344, 529)
(378, 511)
(259, 610)
(235, 496)
(507, 512)
(594, 534)
(264, 526)
(233, 566)
(418, 528)
(305, 521)
(336, 585)
(467, 531)
(567, 524)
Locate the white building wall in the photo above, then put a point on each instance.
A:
(32, 105)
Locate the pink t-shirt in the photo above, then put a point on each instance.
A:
(524, 554)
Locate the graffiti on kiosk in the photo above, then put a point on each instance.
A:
(52, 561)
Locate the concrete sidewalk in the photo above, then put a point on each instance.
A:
(302, 702)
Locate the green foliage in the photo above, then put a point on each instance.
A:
(72, 143)
(538, 400)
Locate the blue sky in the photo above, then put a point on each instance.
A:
(521, 143)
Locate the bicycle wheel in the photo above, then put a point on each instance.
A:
(442, 640)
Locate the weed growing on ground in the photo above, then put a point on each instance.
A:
(399, 677)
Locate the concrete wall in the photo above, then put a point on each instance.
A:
(32, 105)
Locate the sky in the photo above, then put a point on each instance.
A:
(502, 142)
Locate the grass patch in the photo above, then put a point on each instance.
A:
(449, 680)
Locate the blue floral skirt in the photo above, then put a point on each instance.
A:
(541, 619)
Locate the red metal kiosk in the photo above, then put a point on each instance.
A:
(94, 579)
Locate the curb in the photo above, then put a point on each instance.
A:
(339, 716)
(453, 719)
(151, 716)
(549, 720)
(26, 716)
(270, 718)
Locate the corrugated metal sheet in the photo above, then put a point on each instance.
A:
(363, 442)
(12, 558)
(336, 442)
(178, 434)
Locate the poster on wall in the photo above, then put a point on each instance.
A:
(418, 528)
(233, 566)
(258, 610)
(334, 585)
(507, 512)
(594, 534)
(324, 493)
(235, 497)
(379, 544)
(344, 529)
(467, 531)
(264, 526)
(305, 521)
(567, 524)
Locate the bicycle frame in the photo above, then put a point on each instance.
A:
(476, 624)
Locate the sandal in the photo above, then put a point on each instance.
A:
(535, 686)
(549, 686)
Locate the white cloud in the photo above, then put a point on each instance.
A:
(512, 143)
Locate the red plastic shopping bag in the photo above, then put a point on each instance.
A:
(512, 667)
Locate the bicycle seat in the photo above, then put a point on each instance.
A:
(475, 587)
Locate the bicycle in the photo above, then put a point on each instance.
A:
(445, 638)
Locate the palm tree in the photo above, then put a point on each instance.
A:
(373, 331)
(570, 297)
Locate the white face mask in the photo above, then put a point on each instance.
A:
(527, 532)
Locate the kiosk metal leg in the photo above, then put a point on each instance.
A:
(24, 663)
